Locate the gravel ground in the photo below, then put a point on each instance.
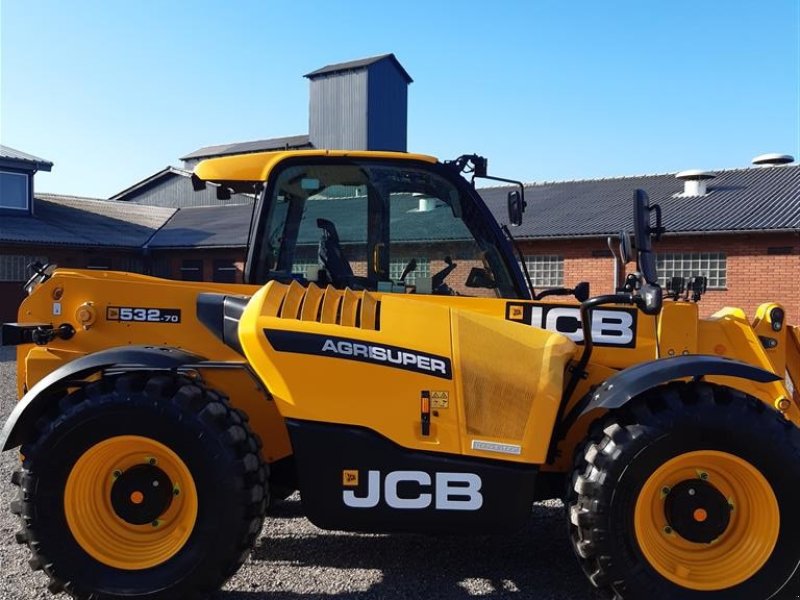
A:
(294, 560)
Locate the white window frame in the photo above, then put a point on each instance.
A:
(14, 267)
(198, 269)
(713, 265)
(545, 270)
(306, 267)
(27, 178)
(231, 268)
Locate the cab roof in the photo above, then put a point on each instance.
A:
(257, 166)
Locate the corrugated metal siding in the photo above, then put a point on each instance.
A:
(387, 113)
(177, 192)
(338, 111)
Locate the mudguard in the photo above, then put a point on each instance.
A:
(33, 404)
(617, 390)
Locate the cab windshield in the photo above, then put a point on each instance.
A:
(377, 226)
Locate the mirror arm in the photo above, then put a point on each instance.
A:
(519, 184)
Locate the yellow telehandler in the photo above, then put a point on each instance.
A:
(157, 418)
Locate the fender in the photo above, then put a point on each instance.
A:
(619, 389)
(35, 403)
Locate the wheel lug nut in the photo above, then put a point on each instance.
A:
(668, 530)
(152, 461)
(117, 474)
(155, 523)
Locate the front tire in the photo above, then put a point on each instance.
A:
(146, 487)
(690, 492)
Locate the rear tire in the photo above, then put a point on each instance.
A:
(690, 492)
(146, 487)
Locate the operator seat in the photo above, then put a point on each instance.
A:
(331, 256)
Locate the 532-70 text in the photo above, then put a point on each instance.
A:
(138, 314)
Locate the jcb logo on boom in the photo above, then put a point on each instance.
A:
(610, 327)
(445, 491)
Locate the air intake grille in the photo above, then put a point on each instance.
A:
(328, 305)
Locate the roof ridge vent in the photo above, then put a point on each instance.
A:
(772, 159)
(695, 181)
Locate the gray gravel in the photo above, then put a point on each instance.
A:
(294, 560)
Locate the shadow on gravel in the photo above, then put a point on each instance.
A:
(536, 562)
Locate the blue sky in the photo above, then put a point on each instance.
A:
(114, 91)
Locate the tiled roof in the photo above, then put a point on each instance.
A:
(11, 155)
(359, 64)
(75, 221)
(751, 199)
(292, 142)
(738, 200)
(205, 227)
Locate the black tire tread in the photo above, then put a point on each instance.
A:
(588, 497)
(171, 394)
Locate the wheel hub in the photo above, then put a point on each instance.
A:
(141, 494)
(697, 511)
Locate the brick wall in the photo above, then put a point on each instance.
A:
(754, 275)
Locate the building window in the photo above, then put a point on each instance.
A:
(162, 267)
(13, 190)
(712, 265)
(308, 269)
(192, 269)
(545, 270)
(97, 263)
(397, 266)
(130, 264)
(225, 271)
(14, 267)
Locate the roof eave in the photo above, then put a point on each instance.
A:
(572, 236)
(147, 181)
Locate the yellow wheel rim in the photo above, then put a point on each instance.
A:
(95, 520)
(743, 547)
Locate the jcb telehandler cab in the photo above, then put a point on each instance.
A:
(388, 358)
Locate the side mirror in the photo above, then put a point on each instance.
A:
(480, 278)
(516, 206)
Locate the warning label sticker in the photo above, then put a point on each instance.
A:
(440, 399)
